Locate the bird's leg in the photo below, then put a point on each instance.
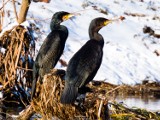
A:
(82, 95)
(80, 101)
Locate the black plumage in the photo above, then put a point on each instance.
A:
(84, 65)
(51, 49)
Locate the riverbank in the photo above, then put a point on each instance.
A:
(99, 102)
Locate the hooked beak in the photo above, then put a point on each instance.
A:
(107, 22)
(68, 16)
(114, 20)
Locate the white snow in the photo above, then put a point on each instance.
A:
(129, 56)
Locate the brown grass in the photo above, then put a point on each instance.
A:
(14, 41)
(48, 103)
(95, 105)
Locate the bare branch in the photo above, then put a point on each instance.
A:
(23, 11)
(15, 10)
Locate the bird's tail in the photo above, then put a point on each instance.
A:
(69, 94)
(33, 88)
(35, 77)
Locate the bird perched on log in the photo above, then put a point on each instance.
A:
(51, 49)
(84, 65)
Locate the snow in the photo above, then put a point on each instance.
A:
(129, 56)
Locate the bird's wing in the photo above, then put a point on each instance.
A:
(84, 64)
(49, 48)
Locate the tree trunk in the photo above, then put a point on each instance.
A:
(23, 11)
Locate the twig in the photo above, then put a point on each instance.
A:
(135, 14)
(20, 47)
(123, 114)
(15, 10)
(6, 114)
(4, 4)
(2, 18)
(114, 89)
(100, 109)
(24, 68)
(23, 10)
(13, 67)
(27, 113)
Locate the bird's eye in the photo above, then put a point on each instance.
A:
(101, 24)
(64, 17)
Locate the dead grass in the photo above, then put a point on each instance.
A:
(121, 112)
(17, 44)
(95, 105)
(48, 103)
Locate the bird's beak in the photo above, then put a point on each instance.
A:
(107, 22)
(68, 16)
(114, 20)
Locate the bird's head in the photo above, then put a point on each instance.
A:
(98, 23)
(59, 17)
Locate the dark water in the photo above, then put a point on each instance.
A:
(144, 102)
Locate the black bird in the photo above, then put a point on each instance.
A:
(84, 65)
(51, 49)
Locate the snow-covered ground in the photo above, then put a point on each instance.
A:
(129, 56)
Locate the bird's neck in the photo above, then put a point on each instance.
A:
(95, 35)
(57, 27)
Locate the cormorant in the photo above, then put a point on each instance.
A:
(84, 65)
(51, 49)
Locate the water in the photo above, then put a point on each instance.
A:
(144, 102)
